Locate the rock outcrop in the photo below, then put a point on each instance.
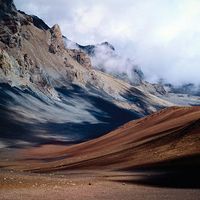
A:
(10, 24)
(57, 43)
(7, 6)
(81, 57)
(104, 58)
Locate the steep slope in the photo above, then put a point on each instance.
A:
(171, 134)
(51, 93)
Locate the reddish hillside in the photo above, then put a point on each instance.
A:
(169, 134)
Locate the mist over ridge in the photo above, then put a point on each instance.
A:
(162, 37)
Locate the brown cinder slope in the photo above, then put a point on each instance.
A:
(171, 133)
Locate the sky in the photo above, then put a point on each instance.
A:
(161, 36)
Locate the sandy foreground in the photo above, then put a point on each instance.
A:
(84, 185)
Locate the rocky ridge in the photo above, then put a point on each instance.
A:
(105, 59)
(51, 65)
(54, 91)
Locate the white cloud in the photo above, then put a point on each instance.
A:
(163, 36)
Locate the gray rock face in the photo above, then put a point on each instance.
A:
(11, 22)
(104, 58)
(35, 56)
(51, 93)
(7, 6)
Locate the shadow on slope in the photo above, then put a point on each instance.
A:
(178, 173)
(17, 128)
(135, 96)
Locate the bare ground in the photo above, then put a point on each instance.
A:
(84, 185)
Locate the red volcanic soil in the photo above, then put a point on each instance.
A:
(161, 150)
(169, 134)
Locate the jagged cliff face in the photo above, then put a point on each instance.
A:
(49, 92)
(105, 59)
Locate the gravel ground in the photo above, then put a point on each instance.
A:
(84, 185)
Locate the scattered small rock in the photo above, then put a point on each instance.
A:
(55, 187)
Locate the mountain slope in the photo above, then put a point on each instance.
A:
(171, 134)
(51, 93)
(105, 59)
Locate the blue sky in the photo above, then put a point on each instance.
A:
(162, 36)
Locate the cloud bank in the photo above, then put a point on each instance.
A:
(162, 36)
(107, 60)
